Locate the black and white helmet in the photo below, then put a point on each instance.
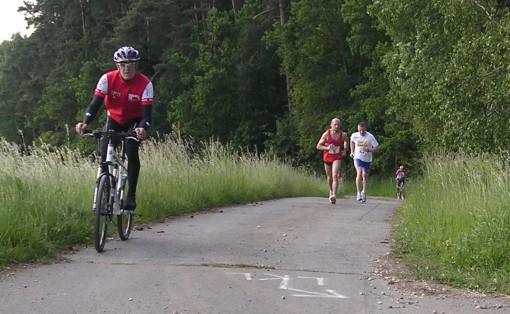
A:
(126, 54)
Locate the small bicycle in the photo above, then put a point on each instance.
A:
(400, 190)
(109, 190)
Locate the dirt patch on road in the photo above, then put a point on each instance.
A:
(396, 273)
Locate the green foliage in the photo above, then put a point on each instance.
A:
(447, 70)
(460, 236)
(17, 84)
(210, 76)
(421, 74)
(222, 85)
(215, 70)
(321, 67)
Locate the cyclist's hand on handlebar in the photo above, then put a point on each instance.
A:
(80, 127)
(141, 133)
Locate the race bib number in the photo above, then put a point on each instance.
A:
(334, 150)
(363, 145)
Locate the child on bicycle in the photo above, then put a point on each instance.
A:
(400, 176)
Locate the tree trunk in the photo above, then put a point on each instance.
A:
(287, 76)
(82, 18)
(234, 7)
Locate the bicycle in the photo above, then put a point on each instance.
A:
(109, 189)
(400, 189)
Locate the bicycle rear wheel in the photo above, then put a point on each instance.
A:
(124, 224)
(102, 213)
(400, 191)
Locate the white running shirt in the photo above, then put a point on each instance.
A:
(368, 141)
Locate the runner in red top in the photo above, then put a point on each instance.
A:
(333, 144)
(336, 152)
(127, 96)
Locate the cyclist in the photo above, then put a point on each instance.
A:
(127, 95)
(333, 144)
(400, 176)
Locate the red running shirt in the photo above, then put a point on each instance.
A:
(336, 152)
(124, 99)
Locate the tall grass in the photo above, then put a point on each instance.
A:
(46, 194)
(42, 202)
(455, 226)
(184, 176)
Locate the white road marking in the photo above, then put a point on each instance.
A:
(284, 285)
(311, 294)
(320, 281)
(285, 280)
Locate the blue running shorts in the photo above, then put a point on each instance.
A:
(362, 164)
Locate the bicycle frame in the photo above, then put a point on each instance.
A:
(109, 188)
(117, 170)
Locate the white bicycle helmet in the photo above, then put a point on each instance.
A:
(126, 54)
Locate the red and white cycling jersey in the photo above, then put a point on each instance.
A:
(124, 99)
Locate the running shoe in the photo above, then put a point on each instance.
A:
(358, 196)
(363, 197)
(332, 199)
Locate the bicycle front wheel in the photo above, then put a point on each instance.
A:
(124, 224)
(102, 213)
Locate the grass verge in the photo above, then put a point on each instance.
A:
(455, 225)
(46, 194)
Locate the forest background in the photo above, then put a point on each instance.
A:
(268, 75)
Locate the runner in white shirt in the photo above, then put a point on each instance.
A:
(363, 144)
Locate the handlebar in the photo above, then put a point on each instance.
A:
(114, 135)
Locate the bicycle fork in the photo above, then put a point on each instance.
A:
(120, 180)
(98, 177)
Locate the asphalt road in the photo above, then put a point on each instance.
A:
(298, 255)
